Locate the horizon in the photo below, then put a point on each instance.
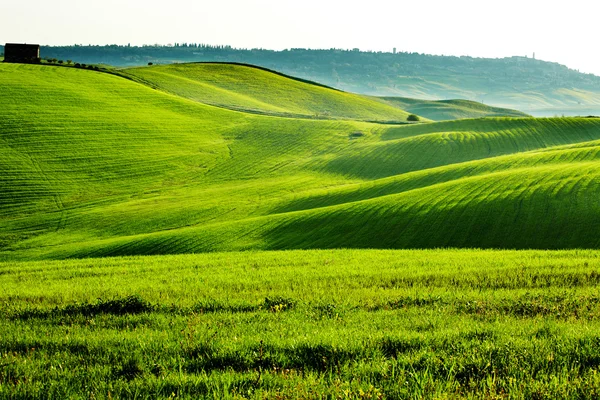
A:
(391, 51)
(464, 28)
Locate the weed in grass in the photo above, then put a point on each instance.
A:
(278, 304)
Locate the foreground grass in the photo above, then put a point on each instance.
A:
(304, 324)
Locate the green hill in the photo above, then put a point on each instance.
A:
(256, 90)
(442, 110)
(94, 164)
(534, 86)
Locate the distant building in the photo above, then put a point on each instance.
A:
(21, 53)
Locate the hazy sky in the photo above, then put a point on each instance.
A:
(561, 31)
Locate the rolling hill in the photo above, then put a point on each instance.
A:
(256, 90)
(97, 165)
(442, 110)
(537, 87)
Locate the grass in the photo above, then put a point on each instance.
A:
(94, 165)
(304, 324)
(97, 165)
(442, 110)
(253, 89)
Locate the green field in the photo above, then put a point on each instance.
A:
(304, 324)
(97, 165)
(442, 110)
(256, 90)
(110, 181)
(537, 87)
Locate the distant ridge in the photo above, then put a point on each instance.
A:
(531, 85)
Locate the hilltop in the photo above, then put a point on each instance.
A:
(252, 89)
(534, 86)
(96, 165)
(256, 90)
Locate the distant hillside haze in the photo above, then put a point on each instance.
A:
(533, 86)
(443, 110)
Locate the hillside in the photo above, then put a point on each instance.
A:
(251, 89)
(94, 164)
(536, 87)
(442, 110)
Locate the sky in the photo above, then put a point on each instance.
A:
(559, 31)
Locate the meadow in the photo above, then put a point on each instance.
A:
(442, 110)
(97, 165)
(537, 87)
(258, 90)
(368, 324)
(212, 231)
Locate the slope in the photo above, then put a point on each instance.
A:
(97, 165)
(441, 110)
(257, 90)
(531, 85)
(87, 154)
(544, 198)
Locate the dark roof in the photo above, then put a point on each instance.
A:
(25, 45)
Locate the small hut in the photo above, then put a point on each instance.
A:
(21, 53)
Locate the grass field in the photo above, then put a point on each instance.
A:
(97, 165)
(252, 89)
(304, 324)
(230, 160)
(442, 110)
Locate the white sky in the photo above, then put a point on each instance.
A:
(561, 31)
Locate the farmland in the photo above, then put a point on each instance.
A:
(304, 324)
(257, 90)
(98, 165)
(252, 89)
(224, 231)
(532, 85)
(450, 109)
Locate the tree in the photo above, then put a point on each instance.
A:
(413, 118)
